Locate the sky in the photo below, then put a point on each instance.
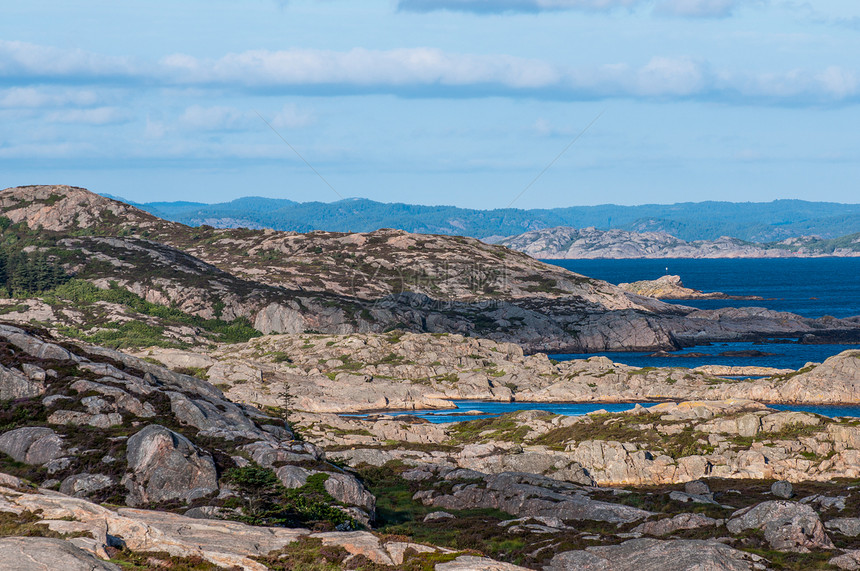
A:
(474, 103)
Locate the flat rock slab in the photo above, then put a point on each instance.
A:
(44, 554)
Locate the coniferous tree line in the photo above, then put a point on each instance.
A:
(29, 273)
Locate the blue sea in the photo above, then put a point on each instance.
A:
(811, 287)
(475, 410)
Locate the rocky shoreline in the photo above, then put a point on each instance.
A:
(211, 442)
(590, 243)
(403, 371)
(673, 485)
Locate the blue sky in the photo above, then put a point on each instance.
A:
(457, 102)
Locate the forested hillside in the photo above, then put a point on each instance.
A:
(757, 222)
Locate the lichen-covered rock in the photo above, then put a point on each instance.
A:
(32, 445)
(782, 489)
(474, 563)
(164, 465)
(348, 490)
(849, 526)
(14, 385)
(849, 561)
(787, 526)
(292, 476)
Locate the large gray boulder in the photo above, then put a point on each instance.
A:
(657, 555)
(782, 489)
(292, 476)
(348, 490)
(32, 445)
(164, 465)
(787, 526)
(43, 553)
(15, 385)
(531, 495)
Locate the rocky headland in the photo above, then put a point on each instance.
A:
(671, 287)
(564, 242)
(225, 283)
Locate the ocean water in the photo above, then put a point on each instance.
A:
(475, 410)
(811, 287)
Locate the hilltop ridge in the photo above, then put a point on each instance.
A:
(229, 280)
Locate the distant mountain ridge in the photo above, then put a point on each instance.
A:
(590, 243)
(750, 221)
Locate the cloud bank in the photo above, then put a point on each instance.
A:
(413, 72)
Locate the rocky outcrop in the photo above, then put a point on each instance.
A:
(164, 465)
(16, 385)
(348, 373)
(120, 429)
(528, 495)
(671, 287)
(657, 555)
(32, 445)
(787, 526)
(663, 444)
(225, 544)
(671, 525)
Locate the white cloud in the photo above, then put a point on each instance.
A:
(422, 72)
(361, 67)
(95, 116)
(21, 59)
(30, 97)
(220, 118)
(666, 77)
(154, 129)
